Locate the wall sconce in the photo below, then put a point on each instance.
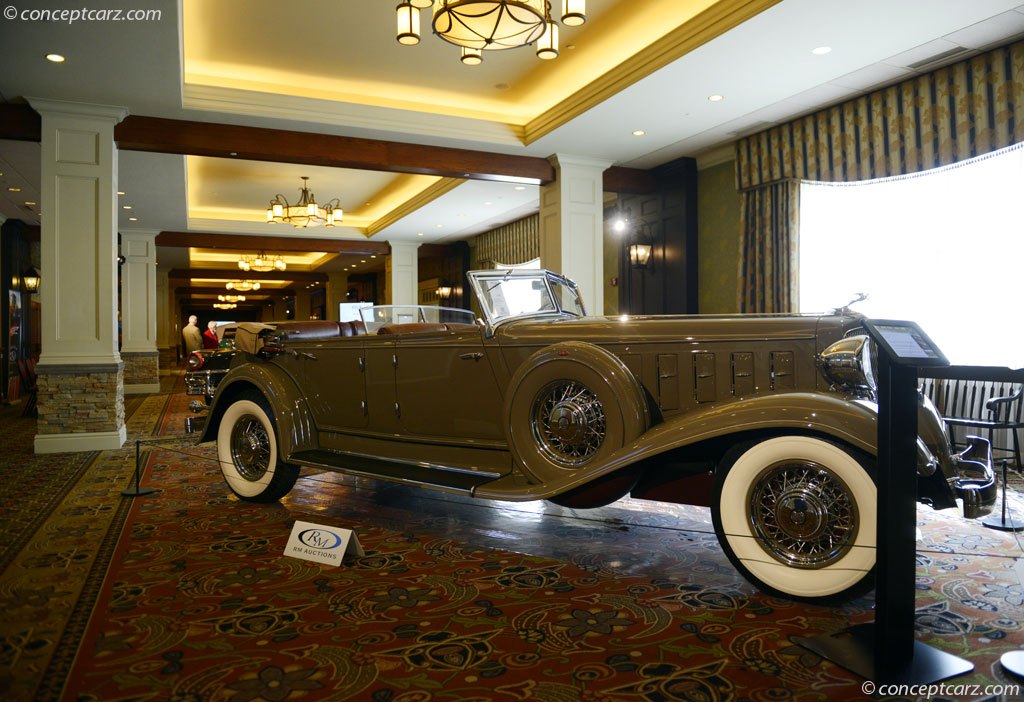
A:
(639, 255)
(444, 290)
(30, 279)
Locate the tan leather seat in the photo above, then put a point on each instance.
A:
(460, 327)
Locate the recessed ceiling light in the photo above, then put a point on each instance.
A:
(488, 203)
(716, 98)
(29, 202)
(419, 233)
(439, 226)
(56, 58)
(120, 192)
(133, 219)
(363, 261)
(14, 190)
(821, 50)
(374, 256)
(520, 187)
(462, 214)
(126, 207)
(639, 132)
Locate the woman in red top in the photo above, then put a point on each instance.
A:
(210, 340)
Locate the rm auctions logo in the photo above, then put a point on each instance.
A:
(320, 539)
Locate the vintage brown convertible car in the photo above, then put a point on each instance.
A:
(769, 420)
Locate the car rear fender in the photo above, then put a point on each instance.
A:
(295, 428)
(853, 422)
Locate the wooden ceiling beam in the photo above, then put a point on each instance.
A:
(175, 136)
(236, 274)
(204, 240)
(633, 181)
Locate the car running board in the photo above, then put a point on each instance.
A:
(416, 472)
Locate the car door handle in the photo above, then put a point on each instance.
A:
(306, 354)
(471, 356)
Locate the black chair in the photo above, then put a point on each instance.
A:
(976, 404)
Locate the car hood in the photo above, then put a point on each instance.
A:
(682, 328)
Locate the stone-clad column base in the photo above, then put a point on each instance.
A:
(81, 407)
(141, 372)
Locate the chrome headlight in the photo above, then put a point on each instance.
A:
(850, 363)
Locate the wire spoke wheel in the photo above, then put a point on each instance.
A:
(803, 514)
(568, 422)
(250, 447)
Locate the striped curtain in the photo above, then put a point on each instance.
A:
(768, 274)
(951, 114)
(516, 242)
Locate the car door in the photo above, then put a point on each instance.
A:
(333, 378)
(445, 386)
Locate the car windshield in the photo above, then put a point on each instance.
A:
(519, 293)
(377, 316)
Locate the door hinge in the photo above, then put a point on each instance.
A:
(394, 360)
(398, 410)
(362, 364)
(363, 405)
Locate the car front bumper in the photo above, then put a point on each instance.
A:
(974, 481)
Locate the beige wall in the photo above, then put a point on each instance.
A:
(718, 226)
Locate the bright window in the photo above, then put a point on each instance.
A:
(944, 248)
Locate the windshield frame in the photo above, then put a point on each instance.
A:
(479, 279)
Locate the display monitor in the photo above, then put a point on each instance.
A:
(905, 342)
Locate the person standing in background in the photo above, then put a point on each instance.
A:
(210, 339)
(193, 337)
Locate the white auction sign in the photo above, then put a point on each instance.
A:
(324, 544)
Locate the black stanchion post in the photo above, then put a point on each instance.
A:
(138, 491)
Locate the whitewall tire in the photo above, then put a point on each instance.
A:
(248, 454)
(796, 515)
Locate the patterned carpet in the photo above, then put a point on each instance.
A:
(185, 596)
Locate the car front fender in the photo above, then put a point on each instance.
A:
(295, 428)
(853, 422)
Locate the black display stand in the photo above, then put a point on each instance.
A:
(885, 651)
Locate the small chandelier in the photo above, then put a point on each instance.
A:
(262, 262)
(243, 285)
(231, 298)
(224, 305)
(479, 25)
(305, 212)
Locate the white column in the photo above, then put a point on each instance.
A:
(81, 401)
(337, 289)
(402, 268)
(164, 323)
(138, 311)
(571, 225)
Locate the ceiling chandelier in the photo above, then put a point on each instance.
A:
(224, 305)
(243, 285)
(231, 298)
(305, 212)
(479, 25)
(262, 262)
